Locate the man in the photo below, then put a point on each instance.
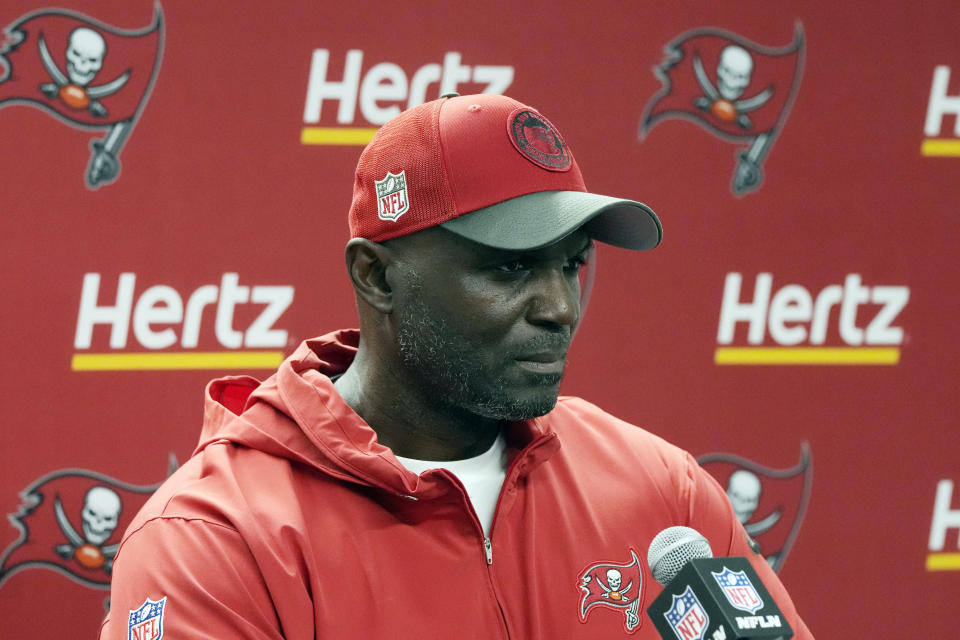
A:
(419, 478)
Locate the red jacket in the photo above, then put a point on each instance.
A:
(291, 521)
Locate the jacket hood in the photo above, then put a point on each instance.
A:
(298, 414)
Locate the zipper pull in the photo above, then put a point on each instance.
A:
(488, 547)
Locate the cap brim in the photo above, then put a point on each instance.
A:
(537, 219)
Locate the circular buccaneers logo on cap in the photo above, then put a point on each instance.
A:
(538, 140)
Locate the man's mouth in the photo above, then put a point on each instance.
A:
(545, 362)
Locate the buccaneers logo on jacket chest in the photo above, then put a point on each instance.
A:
(608, 585)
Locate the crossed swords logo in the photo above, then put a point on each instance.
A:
(89, 49)
(723, 103)
(100, 512)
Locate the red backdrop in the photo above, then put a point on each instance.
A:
(797, 324)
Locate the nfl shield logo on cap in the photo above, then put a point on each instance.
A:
(392, 198)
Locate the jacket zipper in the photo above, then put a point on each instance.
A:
(508, 480)
(487, 545)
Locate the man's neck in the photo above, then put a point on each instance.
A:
(408, 420)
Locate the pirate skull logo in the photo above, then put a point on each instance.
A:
(743, 489)
(733, 77)
(101, 512)
(86, 51)
(614, 579)
(612, 589)
(733, 71)
(100, 515)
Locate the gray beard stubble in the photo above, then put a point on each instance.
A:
(450, 367)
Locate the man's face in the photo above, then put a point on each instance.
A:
(487, 330)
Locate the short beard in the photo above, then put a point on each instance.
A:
(451, 370)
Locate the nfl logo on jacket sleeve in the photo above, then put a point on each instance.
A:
(146, 621)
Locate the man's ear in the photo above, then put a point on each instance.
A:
(367, 263)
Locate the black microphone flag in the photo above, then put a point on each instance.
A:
(718, 599)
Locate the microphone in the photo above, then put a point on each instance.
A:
(707, 598)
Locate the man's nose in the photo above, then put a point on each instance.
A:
(555, 298)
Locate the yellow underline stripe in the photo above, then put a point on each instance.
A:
(337, 135)
(179, 360)
(943, 562)
(940, 147)
(807, 355)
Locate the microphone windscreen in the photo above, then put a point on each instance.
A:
(673, 548)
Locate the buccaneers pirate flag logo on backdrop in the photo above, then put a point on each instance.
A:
(769, 503)
(735, 89)
(70, 521)
(83, 72)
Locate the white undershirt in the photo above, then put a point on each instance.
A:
(482, 476)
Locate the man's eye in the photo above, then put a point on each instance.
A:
(576, 262)
(513, 266)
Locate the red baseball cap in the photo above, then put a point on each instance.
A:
(490, 169)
